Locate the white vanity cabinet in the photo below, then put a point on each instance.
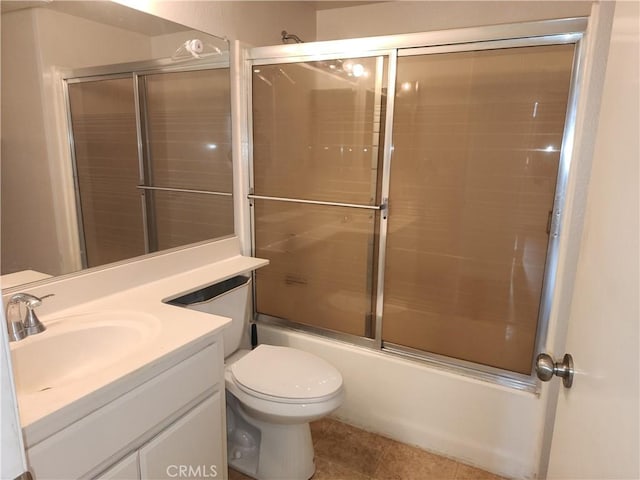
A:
(185, 449)
(126, 469)
(169, 426)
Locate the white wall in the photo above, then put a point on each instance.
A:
(389, 18)
(253, 22)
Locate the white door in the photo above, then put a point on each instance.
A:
(597, 422)
(12, 458)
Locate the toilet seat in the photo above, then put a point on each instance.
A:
(286, 375)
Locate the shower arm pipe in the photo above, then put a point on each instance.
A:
(290, 36)
(382, 207)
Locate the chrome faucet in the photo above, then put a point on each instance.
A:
(17, 327)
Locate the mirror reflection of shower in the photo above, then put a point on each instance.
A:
(152, 156)
(40, 230)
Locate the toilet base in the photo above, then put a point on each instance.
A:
(281, 451)
(286, 451)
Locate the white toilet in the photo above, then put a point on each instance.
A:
(272, 395)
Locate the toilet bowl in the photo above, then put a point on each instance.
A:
(272, 392)
(272, 395)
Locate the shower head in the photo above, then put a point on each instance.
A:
(290, 36)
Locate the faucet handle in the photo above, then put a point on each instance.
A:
(32, 323)
(31, 301)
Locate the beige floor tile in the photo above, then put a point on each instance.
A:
(351, 447)
(326, 470)
(235, 475)
(403, 462)
(467, 472)
(318, 429)
(343, 452)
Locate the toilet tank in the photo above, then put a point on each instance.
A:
(229, 298)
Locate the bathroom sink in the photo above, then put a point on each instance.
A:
(76, 347)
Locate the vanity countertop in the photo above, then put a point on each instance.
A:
(19, 278)
(172, 335)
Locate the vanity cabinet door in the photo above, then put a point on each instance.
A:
(125, 469)
(191, 447)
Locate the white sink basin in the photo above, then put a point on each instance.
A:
(76, 347)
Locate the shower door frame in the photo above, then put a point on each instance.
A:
(133, 71)
(527, 34)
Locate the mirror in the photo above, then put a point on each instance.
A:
(116, 137)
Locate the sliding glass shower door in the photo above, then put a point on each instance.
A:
(316, 156)
(412, 204)
(187, 176)
(105, 144)
(477, 139)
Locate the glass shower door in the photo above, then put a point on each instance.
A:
(317, 145)
(476, 140)
(103, 120)
(186, 127)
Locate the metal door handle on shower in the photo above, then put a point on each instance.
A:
(382, 207)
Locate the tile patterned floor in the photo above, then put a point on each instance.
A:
(344, 452)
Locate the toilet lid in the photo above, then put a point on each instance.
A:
(286, 373)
